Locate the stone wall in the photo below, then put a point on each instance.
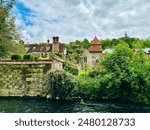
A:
(92, 57)
(23, 78)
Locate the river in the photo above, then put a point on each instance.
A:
(38, 105)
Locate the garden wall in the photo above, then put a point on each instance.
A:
(23, 78)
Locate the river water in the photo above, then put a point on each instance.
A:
(36, 105)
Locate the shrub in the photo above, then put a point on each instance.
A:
(88, 87)
(96, 72)
(59, 54)
(70, 68)
(27, 57)
(35, 58)
(60, 84)
(16, 57)
(30, 57)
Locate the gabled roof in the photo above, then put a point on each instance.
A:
(95, 41)
(42, 47)
(95, 46)
(38, 48)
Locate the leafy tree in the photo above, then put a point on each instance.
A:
(114, 42)
(19, 48)
(138, 44)
(88, 87)
(129, 40)
(127, 75)
(75, 51)
(147, 43)
(85, 43)
(107, 43)
(9, 35)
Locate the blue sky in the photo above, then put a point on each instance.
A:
(39, 20)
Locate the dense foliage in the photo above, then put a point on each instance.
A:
(127, 75)
(30, 57)
(16, 57)
(123, 75)
(87, 87)
(61, 85)
(75, 51)
(9, 36)
(24, 57)
(131, 41)
(70, 67)
(85, 43)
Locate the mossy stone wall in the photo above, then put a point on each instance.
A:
(22, 80)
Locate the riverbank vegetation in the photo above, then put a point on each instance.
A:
(60, 84)
(122, 75)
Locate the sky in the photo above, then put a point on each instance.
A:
(39, 20)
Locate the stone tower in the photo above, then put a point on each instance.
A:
(55, 45)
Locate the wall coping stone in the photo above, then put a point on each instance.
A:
(9, 62)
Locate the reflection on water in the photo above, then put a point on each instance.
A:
(32, 105)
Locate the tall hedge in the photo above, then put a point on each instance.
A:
(60, 84)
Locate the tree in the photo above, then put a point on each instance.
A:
(147, 43)
(85, 43)
(75, 51)
(107, 43)
(127, 75)
(138, 44)
(9, 35)
(19, 48)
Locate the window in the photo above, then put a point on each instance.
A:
(97, 61)
(85, 59)
(44, 55)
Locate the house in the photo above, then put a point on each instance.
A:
(108, 50)
(43, 50)
(147, 52)
(92, 54)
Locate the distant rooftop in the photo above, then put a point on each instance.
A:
(45, 47)
(146, 50)
(95, 46)
(109, 50)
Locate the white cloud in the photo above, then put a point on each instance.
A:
(77, 19)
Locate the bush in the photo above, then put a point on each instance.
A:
(88, 87)
(30, 57)
(59, 54)
(16, 57)
(60, 84)
(97, 71)
(70, 68)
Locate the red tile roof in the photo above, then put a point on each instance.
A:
(95, 46)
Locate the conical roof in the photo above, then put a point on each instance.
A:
(95, 41)
(95, 46)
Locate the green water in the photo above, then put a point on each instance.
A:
(32, 105)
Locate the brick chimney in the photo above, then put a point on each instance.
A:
(56, 40)
(55, 45)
